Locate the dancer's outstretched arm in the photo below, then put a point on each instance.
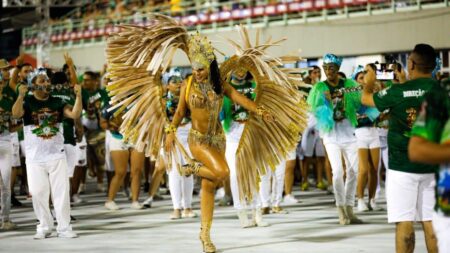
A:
(248, 104)
(177, 118)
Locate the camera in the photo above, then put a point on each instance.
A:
(384, 73)
(394, 64)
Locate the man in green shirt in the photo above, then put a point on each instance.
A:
(430, 144)
(409, 191)
(5, 157)
(334, 109)
(45, 155)
(16, 130)
(94, 99)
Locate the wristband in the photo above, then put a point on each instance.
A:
(170, 129)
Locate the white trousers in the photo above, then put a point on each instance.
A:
(277, 188)
(15, 150)
(43, 179)
(343, 192)
(181, 188)
(5, 178)
(441, 226)
(233, 138)
(383, 161)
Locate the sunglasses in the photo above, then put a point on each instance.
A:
(42, 88)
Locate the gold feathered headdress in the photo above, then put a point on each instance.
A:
(201, 52)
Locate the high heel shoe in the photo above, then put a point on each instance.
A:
(208, 246)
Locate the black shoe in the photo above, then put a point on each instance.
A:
(146, 186)
(15, 202)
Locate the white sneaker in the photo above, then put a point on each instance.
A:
(67, 234)
(188, 214)
(373, 205)
(362, 207)
(290, 199)
(41, 235)
(258, 219)
(243, 219)
(136, 205)
(76, 199)
(8, 225)
(148, 202)
(175, 215)
(111, 205)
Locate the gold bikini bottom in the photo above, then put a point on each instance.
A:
(217, 141)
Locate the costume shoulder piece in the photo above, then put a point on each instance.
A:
(321, 107)
(319, 101)
(352, 97)
(136, 58)
(276, 91)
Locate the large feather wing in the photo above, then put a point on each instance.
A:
(136, 57)
(264, 145)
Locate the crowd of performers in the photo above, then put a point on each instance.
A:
(61, 127)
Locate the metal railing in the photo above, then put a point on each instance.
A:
(225, 15)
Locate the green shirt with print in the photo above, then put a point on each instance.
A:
(46, 115)
(68, 97)
(9, 93)
(93, 103)
(337, 99)
(403, 101)
(234, 112)
(433, 124)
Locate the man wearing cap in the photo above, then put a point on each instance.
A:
(5, 73)
(335, 113)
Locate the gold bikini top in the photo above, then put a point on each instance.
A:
(204, 97)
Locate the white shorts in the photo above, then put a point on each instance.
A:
(292, 155)
(71, 157)
(114, 144)
(117, 144)
(15, 159)
(409, 196)
(367, 138)
(81, 153)
(441, 227)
